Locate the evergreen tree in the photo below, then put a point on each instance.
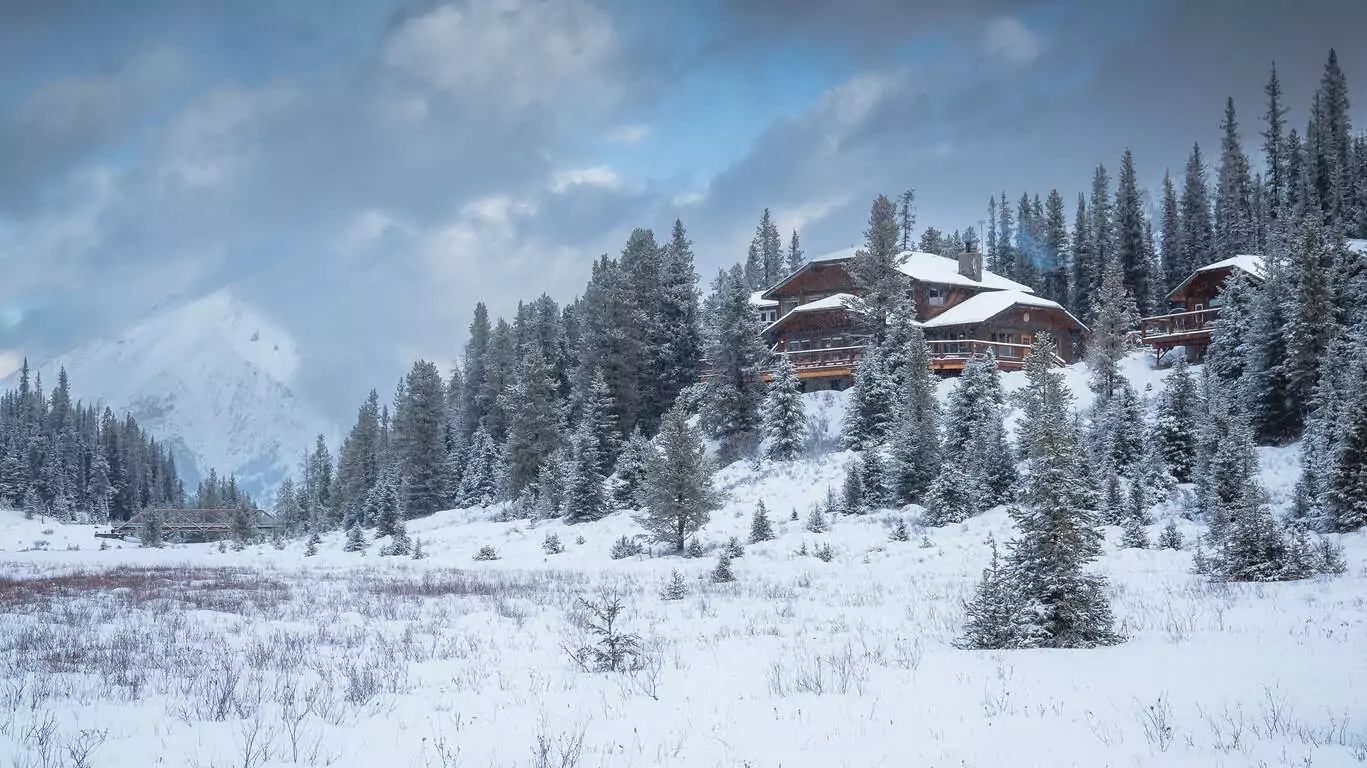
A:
(1065, 605)
(994, 261)
(355, 540)
(1113, 317)
(311, 547)
(150, 533)
(733, 393)
(1084, 261)
(1006, 253)
(533, 422)
(797, 259)
(1198, 237)
(785, 422)
(474, 403)
(242, 528)
(678, 495)
(358, 464)
(1055, 248)
(870, 412)
(1347, 479)
(906, 217)
(1178, 411)
(419, 441)
(484, 466)
(1225, 358)
(592, 403)
(915, 430)
(974, 445)
(874, 267)
(585, 498)
(1274, 148)
(1171, 538)
(1308, 330)
(679, 337)
(1233, 203)
(386, 503)
(760, 527)
(1331, 156)
(1173, 262)
(288, 512)
(630, 472)
(932, 241)
(722, 573)
(1226, 462)
(995, 617)
(770, 245)
(1131, 243)
(1102, 212)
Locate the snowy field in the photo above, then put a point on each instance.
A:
(188, 656)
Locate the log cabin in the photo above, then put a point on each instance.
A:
(1194, 306)
(964, 309)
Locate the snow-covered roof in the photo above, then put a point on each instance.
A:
(834, 301)
(757, 300)
(1248, 262)
(840, 255)
(984, 306)
(941, 270)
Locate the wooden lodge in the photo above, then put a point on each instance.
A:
(192, 525)
(1195, 304)
(965, 310)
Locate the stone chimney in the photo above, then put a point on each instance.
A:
(971, 263)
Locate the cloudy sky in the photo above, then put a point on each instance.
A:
(363, 172)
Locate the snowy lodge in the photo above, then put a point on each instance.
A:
(964, 310)
(1195, 306)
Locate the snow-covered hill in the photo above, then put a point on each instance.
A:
(213, 378)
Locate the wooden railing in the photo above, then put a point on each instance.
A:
(965, 349)
(831, 357)
(1178, 323)
(944, 353)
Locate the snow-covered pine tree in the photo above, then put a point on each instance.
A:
(760, 527)
(733, 391)
(785, 421)
(1308, 331)
(676, 588)
(419, 441)
(1131, 242)
(678, 354)
(796, 258)
(533, 421)
(874, 267)
(975, 437)
(906, 217)
(770, 246)
(722, 573)
(915, 433)
(852, 500)
(900, 532)
(483, 467)
(1198, 236)
(1056, 518)
(869, 414)
(1171, 243)
(1233, 191)
(1113, 316)
(150, 534)
(311, 546)
(1171, 538)
(358, 463)
(1226, 462)
(996, 620)
(355, 539)
(1083, 262)
(873, 479)
(584, 498)
(591, 404)
(629, 475)
(1347, 478)
(243, 530)
(1179, 408)
(1225, 358)
(677, 494)
(387, 502)
(1118, 429)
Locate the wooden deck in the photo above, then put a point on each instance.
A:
(1192, 329)
(946, 357)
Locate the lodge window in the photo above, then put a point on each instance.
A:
(935, 297)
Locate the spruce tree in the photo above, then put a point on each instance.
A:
(1179, 408)
(796, 258)
(678, 356)
(1198, 237)
(906, 217)
(785, 422)
(1225, 358)
(915, 431)
(975, 438)
(629, 474)
(996, 620)
(760, 527)
(733, 392)
(355, 539)
(1233, 202)
(1347, 479)
(1056, 519)
(1131, 243)
(1309, 328)
(584, 498)
(533, 421)
(1171, 247)
(677, 495)
(420, 441)
(1055, 248)
(770, 246)
(1113, 317)
(874, 267)
(1084, 263)
(483, 468)
(1102, 212)
(870, 412)
(311, 546)
(387, 503)
(1274, 148)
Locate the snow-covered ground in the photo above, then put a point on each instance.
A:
(189, 656)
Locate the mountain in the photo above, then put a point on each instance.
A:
(212, 378)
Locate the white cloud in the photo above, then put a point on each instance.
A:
(689, 199)
(10, 360)
(212, 137)
(526, 50)
(72, 107)
(629, 134)
(596, 176)
(1007, 38)
(801, 216)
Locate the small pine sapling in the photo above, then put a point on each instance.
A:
(816, 522)
(900, 531)
(760, 527)
(551, 544)
(824, 553)
(676, 589)
(803, 551)
(311, 547)
(355, 539)
(926, 543)
(694, 549)
(418, 553)
(722, 573)
(624, 547)
(734, 548)
(1170, 538)
(486, 552)
(612, 650)
(1133, 536)
(794, 515)
(579, 540)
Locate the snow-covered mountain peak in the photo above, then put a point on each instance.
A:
(212, 377)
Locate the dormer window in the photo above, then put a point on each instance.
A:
(935, 296)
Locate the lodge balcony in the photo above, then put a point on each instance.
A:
(1190, 329)
(947, 356)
